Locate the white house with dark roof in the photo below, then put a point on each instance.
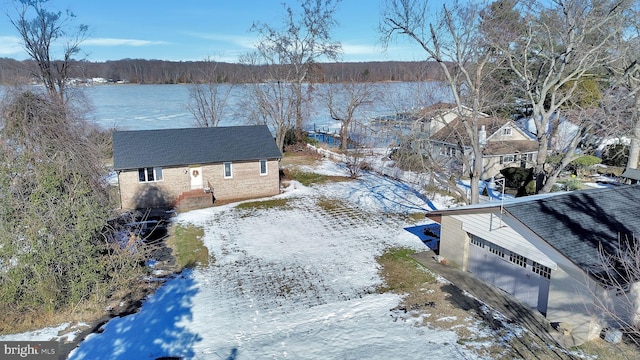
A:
(192, 167)
(545, 251)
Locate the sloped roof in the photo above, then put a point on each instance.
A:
(455, 130)
(630, 173)
(578, 223)
(442, 108)
(575, 223)
(174, 147)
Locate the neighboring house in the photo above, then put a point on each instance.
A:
(426, 121)
(158, 168)
(434, 118)
(546, 251)
(504, 144)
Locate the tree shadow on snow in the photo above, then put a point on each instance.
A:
(429, 234)
(153, 332)
(393, 195)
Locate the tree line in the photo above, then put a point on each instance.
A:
(141, 71)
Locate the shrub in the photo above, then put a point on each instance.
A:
(616, 155)
(515, 177)
(573, 184)
(581, 164)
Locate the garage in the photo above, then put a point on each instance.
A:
(523, 278)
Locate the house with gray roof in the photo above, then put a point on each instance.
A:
(547, 251)
(193, 167)
(503, 143)
(441, 133)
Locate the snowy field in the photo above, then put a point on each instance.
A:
(295, 282)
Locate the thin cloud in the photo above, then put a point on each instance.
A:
(121, 42)
(354, 49)
(10, 45)
(246, 42)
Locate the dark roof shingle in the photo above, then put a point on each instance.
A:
(174, 147)
(578, 224)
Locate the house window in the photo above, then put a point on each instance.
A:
(477, 241)
(518, 259)
(541, 270)
(448, 151)
(506, 131)
(263, 167)
(495, 249)
(507, 159)
(227, 170)
(150, 174)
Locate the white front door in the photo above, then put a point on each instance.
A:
(196, 177)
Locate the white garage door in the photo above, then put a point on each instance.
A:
(523, 278)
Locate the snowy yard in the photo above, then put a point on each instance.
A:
(291, 282)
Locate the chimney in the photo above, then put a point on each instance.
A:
(482, 136)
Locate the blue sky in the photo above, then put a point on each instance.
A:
(192, 30)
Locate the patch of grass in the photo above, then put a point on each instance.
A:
(188, 249)
(264, 204)
(299, 158)
(417, 216)
(305, 178)
(423, 294)
(310, 178)
(401, 273)
(604, 350)
(330, 205)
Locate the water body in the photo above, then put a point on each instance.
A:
(144, 107)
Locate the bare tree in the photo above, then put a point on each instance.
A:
(209, 101)
(304, 39)
(415, 154)
(358, 156)
(270, 102)
(344, 101)
(40, 28)
(558, 45)
(625, 87)
(620, 273)
(455, 42)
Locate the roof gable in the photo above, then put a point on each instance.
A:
(497, 134)
(174, 147)
(455, 130)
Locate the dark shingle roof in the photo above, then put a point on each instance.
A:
(174, 147)
(578, 223)
(630, 173)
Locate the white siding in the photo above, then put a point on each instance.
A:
(493, 227)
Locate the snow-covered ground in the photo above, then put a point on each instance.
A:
(294, 282)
